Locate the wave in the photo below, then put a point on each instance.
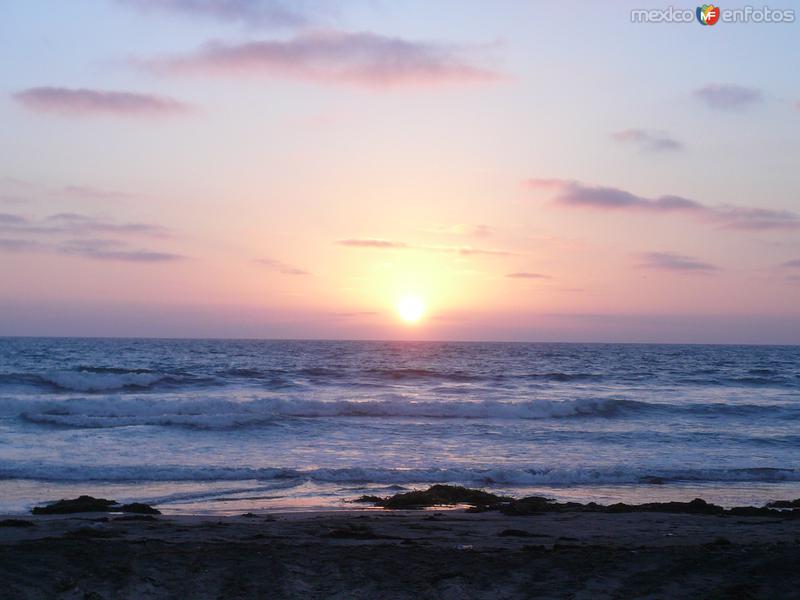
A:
(92, 379)
(226, 414)
(222, 413)
(618, 475)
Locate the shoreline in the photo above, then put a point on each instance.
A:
(18, 496)
(400, 554)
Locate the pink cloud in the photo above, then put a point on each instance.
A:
(371, 243)
(334, 57)
(85, 102)
(574, 194)
(280, 267)
(670, 261)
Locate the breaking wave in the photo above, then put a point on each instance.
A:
(457, 475)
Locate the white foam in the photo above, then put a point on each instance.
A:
(91, 381)
(424, 475)
(220, 413)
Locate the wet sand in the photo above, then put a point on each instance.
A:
(401, 554)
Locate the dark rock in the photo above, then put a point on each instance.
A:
(438, 495)
(698, 506)
(536, 505)
(16, 523)
(370, 499)
(89, 504)
(784, 503)
(136, 518)
(76, 505)
(138, 508)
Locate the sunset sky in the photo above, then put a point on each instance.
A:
(501, 170)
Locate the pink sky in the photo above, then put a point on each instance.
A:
(262, 169)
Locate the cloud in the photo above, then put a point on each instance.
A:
(78, 228)
(574, 194)
(728, 96)
(464, 229)
(76, 224)
(113, 250)
(269, 13)
(13, 245)
(11, 220)
(94, 249)
(334, 57)
(674, 262)
(470, 251)
(648, 140)
(526, 275)
(393, 245)
(791, 264)
(85, 102)
(371, 243)
(92, 193)
(280, 267)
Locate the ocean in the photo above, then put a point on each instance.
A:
(226, 426)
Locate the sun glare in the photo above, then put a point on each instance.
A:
(411, 309)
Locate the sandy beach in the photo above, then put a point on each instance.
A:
(400, 554)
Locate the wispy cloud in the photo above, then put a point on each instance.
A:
(470, 251)
(395, 245)
(670, 261)
(93, 193)
(728, 96)
(280, 267)
(791, 264)
(264, 13)
(14, 245)
(371, 243)
(334, 57)
(72, 234)
(73, 191)
(527, 275)
(574, 194)
(648, 140)
(464, 229)
(99, 249)
(113, 250)
(75, 224)
(86, 102)
(9, 220)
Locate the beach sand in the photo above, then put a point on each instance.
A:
(401, 554)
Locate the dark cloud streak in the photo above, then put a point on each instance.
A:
(86, 102)
(577, 195)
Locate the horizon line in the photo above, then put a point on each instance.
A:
(387, 341)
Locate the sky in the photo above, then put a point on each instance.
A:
(375, 169)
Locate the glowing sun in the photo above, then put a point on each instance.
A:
(411, 309)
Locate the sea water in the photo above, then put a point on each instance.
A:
(224, 426)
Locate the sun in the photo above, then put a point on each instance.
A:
(411, 309)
